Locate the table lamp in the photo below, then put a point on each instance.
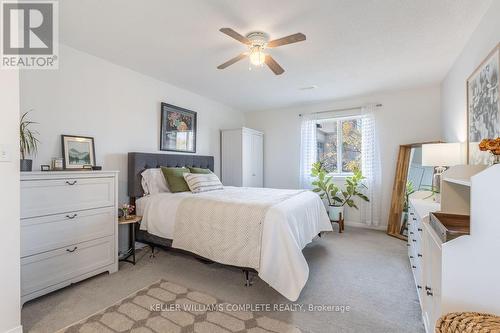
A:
(441, 156)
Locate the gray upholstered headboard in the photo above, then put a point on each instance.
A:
(138, 162)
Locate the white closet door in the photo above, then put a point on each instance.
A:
(257, 153)
(247, 159)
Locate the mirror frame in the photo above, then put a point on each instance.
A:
(399, 187)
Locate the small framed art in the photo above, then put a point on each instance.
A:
(178, 129)
(78, 151)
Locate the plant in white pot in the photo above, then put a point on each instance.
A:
(28, 142)
(337, 197)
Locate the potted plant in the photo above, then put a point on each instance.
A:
(28, 142)
(337, 197)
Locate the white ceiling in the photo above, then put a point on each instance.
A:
(352, 48)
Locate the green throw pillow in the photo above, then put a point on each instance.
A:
(175, 179)
(199, 170)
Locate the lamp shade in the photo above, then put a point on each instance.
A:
(442, 154)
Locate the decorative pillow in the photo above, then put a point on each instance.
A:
(203, 182)
(153, 181)
(199, 170)
(175, 179)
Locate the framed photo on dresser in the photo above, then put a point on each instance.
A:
(78, 152)
(483, 106)
(178, 129)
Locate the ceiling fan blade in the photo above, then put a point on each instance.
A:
(273, 65)
(233, 34)
(298, 37)
(232, 61)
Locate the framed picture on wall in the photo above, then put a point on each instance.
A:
(78, 152)
(483, 106)
(178, 129)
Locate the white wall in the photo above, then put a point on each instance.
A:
(119, 107)
(10, 319)
(453, 87)
(407, 116)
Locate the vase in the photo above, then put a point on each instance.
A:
(334, 212)
(495, 159)
(26, 165)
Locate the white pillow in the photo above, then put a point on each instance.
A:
(153, 181)
(202, 182)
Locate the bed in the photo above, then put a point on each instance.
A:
(260, 229)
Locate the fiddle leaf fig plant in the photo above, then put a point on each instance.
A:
(335, 195)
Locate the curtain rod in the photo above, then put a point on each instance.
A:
(337, 110)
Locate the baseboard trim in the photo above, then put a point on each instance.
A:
(365, 226)
(18, 329)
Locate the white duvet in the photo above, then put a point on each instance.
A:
(288, 227)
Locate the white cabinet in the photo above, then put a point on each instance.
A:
(242, 157)
(68, 228)
(458, 274)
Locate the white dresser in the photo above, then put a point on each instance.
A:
(242, 157)
(458, 274)
(421, 204)
(68, 228)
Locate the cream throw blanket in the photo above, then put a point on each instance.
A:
(226, 225)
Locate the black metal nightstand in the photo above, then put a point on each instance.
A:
(131, 221)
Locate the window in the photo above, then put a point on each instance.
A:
(340, 139)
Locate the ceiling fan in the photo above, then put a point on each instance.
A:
(257, 42)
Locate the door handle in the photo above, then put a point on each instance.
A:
(73, 250)
(71, 183)
(71, 216)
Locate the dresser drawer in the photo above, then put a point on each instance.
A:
(46, 197)
(50, 268)
(51, 232)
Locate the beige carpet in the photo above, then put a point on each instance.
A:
(365, 269)
(166, 307)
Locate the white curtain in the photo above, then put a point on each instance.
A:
(370, 164)
(308, 149)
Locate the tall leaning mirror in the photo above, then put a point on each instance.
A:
(410, 177)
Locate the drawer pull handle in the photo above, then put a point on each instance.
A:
(411, 214)
(419, 229)
(71, 216)
(411, 257)
(411, 232)
(71, 183)
(419, 255)
(74, 249)
(413, 266)
(414, 219)
(419, 287)
(414, 240)
(429, 293)
(428, 288)
(407, 244)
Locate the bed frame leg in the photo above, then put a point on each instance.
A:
(152, 255)
(248, 281)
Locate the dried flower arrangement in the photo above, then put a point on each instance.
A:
(493, 146)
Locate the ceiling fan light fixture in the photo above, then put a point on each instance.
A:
(257, 56)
